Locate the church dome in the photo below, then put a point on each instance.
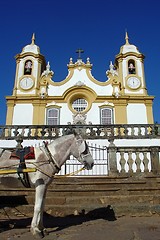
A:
(127, 47)
(31, 48)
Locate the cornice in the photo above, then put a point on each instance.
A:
(23, 55)
(138, 55)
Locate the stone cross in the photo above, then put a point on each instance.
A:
(79, 51)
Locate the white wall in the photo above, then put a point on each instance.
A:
(82, 77)
(136, 114)
(23, 114)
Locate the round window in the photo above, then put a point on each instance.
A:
(79, 104)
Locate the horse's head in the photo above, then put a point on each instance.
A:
(80, 151)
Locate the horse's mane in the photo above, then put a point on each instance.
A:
(61, 139)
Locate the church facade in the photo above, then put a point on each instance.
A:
(79, 98)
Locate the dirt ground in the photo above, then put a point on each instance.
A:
(95, 225)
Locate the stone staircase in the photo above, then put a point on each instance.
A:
(78, 195)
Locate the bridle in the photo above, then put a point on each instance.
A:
(84, 153)
(50, 157)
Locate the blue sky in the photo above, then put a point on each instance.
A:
(97, 26)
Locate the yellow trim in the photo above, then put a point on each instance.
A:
(10, 111)
(107, 82)
(149, 111)
(19, 56)
(130, 54)
(81, 92)
(39, 108)
(120, 111)
(71, 73)
(53, 106)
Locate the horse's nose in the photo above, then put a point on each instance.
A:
(92, 164)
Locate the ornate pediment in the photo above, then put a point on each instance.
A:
(79, 118)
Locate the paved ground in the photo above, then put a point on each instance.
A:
(96, 225)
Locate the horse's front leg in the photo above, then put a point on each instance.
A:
(37, 220)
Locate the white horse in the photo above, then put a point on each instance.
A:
(48, 161)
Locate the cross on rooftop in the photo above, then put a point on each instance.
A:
(79, 51)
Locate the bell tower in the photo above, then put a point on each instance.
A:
(29, 66)
(130, 65)
(137, 104)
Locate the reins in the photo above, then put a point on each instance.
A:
(70, 174)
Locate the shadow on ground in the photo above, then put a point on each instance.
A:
(60, 223)
(13, 201)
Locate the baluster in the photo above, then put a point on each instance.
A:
(98, 131)
(3, 131)
(111, 131)
(118, 131)
(43, 132)
(138, 162)
(48, 132)
(125, 131)
(145, 162)
(139, 131)
(6, 132)
(57, 132)
(146, 131)
(37, 132)
(29, 132)
(23, 132)
(122, 162)
(130, 162)
(132, 131)
(153, 130)
(92, 132)
(16, 133)
(121, 131)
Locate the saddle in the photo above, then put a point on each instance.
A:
(23, 154)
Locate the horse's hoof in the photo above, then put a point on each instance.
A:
(45, 232)
(37, 234)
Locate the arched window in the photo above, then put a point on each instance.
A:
(53, 116)
(106, 116)
(131, 67)
(28, 67)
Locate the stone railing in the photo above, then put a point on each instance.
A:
(117, 131)
(133, 160)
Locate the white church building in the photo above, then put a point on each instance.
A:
(79, 98)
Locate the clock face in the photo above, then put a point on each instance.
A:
(26, 83)
(133, 82)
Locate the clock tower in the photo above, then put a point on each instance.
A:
(130, 63)
(30, 65)
(25, 97)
